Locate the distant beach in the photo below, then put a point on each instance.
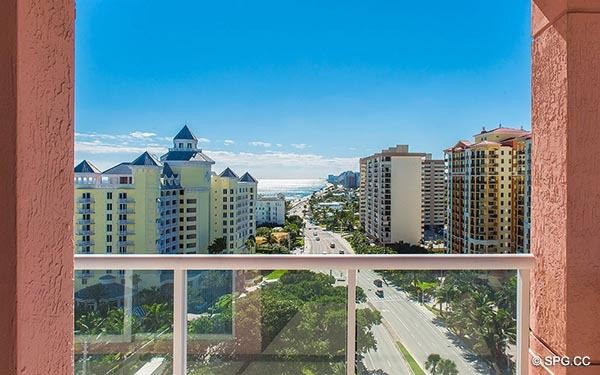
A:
(291, 188)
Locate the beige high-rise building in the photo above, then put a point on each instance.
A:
(399, 191)
(489, 193)
(434, 193)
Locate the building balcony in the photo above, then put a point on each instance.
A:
(84, 243)
(84, 222)
(85, 211)
(84, 232)
(85, 200)
(196, 317)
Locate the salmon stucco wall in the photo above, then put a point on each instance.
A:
(565, 306)
(36, 185)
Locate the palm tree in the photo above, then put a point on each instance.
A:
(432, 363)
(251, 244)
(447, 367)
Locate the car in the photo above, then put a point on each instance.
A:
(342, 252)
(332, 245)
(379, 293)
(324, 253)
(318, 239)
(314, 233)
(378, 283)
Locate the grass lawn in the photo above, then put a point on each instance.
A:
(275, 274)
(414, 366)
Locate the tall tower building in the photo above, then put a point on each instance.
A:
(153, 205)
(399, 192)
(193, 169)
(488, 192)
(233, 211)
(434, 193)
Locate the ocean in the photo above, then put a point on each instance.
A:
(291, 188)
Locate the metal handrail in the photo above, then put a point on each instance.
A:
(180, 264)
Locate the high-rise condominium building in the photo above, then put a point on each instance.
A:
(398, 194)
(434, 193)
(489, 192)
(233, 212)
(153, 205)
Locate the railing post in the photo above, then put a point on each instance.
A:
(523, 284)
(128, 305)
(179, 322)
(351, 338)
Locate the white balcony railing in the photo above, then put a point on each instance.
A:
(180, 264)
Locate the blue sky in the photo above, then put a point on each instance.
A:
(296, 89)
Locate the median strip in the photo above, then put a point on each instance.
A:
(412, 363)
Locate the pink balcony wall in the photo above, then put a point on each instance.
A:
(36, 113)
(36, 186)
(565, 314)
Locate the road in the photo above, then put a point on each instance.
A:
(415, 326)
(404, 320)
(386, 358)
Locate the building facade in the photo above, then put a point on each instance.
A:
(488, 193)
(348, 179)
(434, 194)
(161, 206)
(270, 210)
(397, 193)
(233, 213)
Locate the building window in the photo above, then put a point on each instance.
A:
(109, 249)
(109, 227)
(109, 207)
(108, 217)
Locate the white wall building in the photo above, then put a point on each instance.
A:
(270, 210)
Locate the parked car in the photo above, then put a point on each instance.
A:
(379, 293)
(342, 252)
(332, 245)
(378, 283)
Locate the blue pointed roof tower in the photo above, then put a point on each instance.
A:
(229, 173)
(146, 159)
(185, 148)
(86, 167)
(185, 133)
(167, 171)
(247, 177)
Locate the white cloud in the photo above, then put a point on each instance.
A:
(279, 145)
(203, 140)
(106, 150)
(97, 147)
(300, 146)
(228, 142)
(261, 144)
(277, 164)
(142, 135)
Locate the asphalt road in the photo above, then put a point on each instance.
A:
(416, 327)
(404, 320)
(387, 357)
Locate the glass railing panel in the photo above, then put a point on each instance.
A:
(442, 322)
(267, 322)
(123, 322)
